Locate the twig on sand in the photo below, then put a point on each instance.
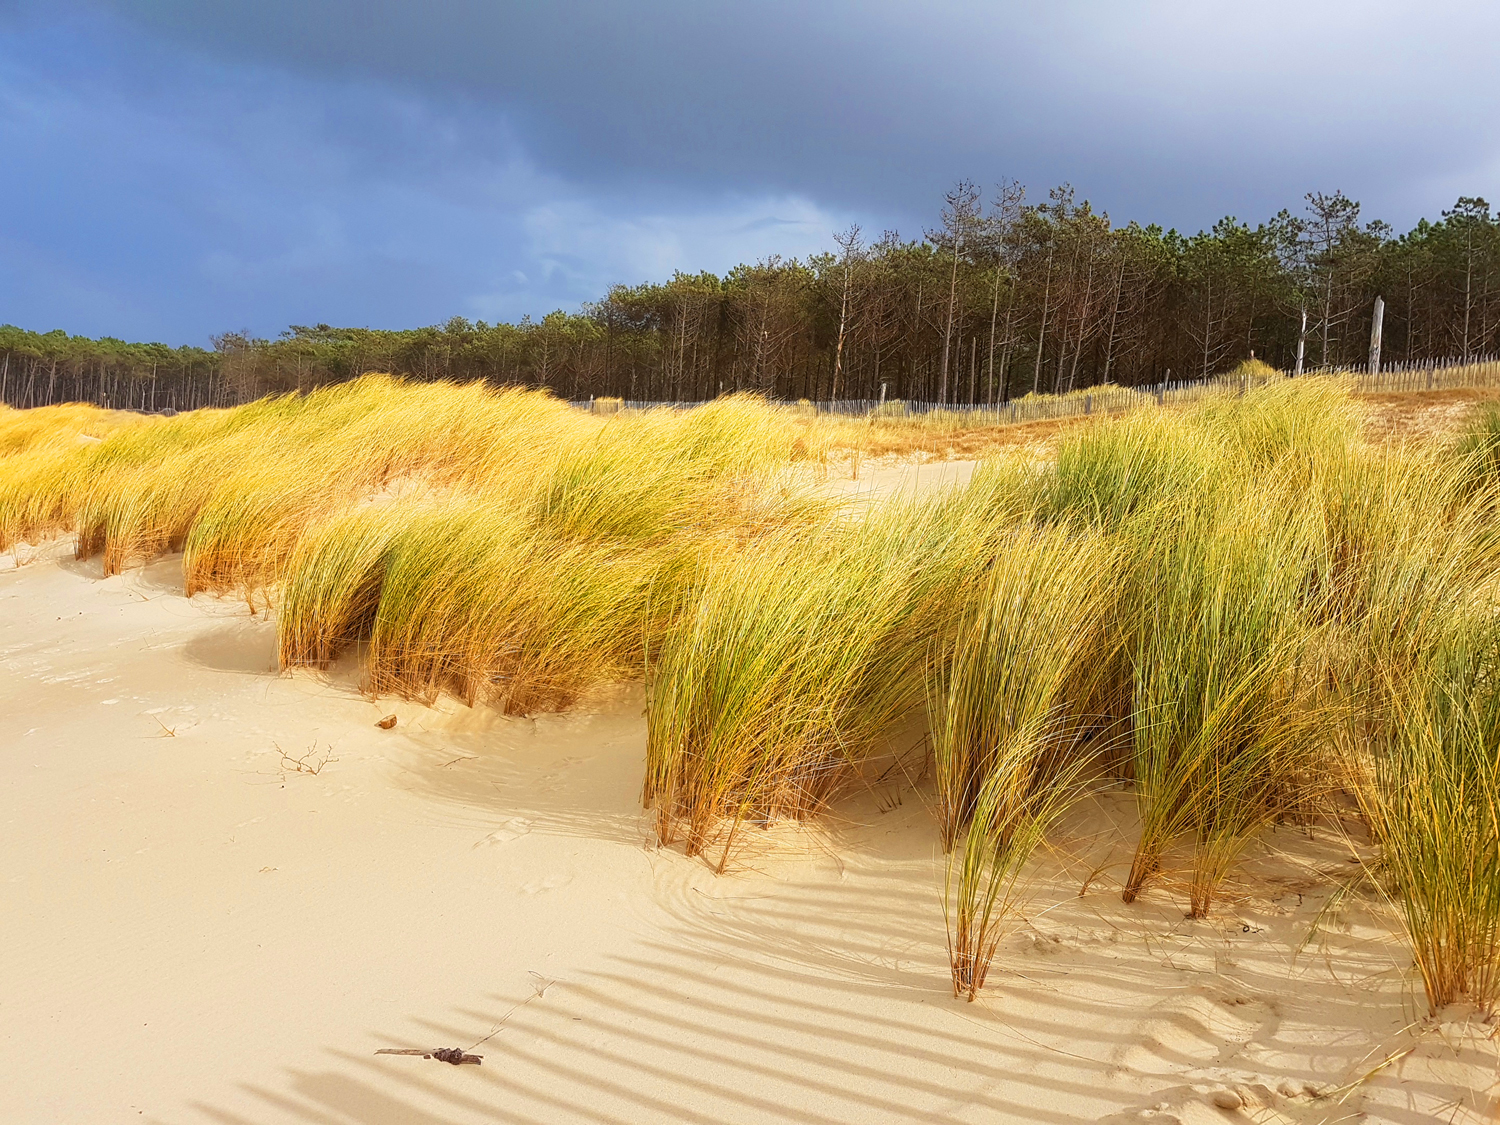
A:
(539, 986)
(305, 764)
(455, 1056)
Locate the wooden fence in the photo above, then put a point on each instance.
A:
(1451, 374)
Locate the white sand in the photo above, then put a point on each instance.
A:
(194, 931)
(884, 478)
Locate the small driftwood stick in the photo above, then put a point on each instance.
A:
(453, 1055)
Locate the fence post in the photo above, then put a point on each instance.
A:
(1375, 325)
(1301, 344)
(1088, 404)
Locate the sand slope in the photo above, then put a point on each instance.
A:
(196, 930)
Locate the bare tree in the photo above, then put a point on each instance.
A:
(1005, 212)
(849, 242)
(961, 216)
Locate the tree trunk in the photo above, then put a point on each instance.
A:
(973, 366)
(838, 355)
(1010, 306)
(1208, 322)
(948, 332)
(989, 379)
(1114, 316)
(1041, 338)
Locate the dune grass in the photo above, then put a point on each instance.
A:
(234, 488)
(1435, 809)
(1223, 716)
(41, 453)
(1233, 607)
(70, 423)
(499, 545)
(1106, 472)
(524, 584)
(1008, 736)
(795, 655)
(1477, 452)
(461, 595)
(1032, 632)
(347, 443)
(1421, 740)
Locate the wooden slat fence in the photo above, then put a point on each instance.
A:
(1430, 375)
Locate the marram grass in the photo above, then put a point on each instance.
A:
(1233, 607)
(792, 658)
(1026, 643)
(1008, 738)
(1435, 806)
(1220, 716)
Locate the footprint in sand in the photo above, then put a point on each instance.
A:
(557, 778)
(1199, 1029)
(549, 883)
(1214, 1102)
(512, 829)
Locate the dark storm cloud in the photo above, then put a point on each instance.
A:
(1170, 111)
(175, 168)
(158, 190)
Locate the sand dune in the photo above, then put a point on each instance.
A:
(226, 888)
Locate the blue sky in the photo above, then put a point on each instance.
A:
(174, 169)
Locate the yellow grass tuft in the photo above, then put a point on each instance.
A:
(1233, 606)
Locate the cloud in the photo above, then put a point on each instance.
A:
(576, 236)
(176, 168)
(157, 192)
(1175, 109)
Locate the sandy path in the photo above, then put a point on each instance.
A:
(887, 478)
(195, 932)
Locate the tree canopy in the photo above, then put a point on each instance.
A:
(1004, 297)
